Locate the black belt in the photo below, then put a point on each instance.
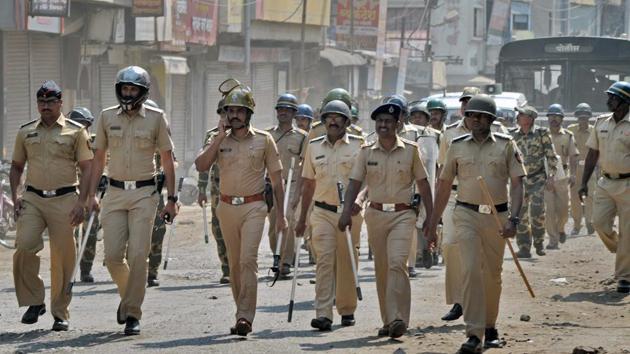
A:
(454, 187)
(126, 185)
(616, 176)
(484, 209)
(327, 206)
(52, 193)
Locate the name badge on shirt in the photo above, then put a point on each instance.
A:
(372, 163)
(319, 157)
(114, 128)
(31, 135)
(225, 150)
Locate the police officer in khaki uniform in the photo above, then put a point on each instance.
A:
(418, 114)
(495, 157)
(557, 193)
(389, 166)
(608, 145)
(52, 147)
(438, 112)
(327, 161)
(304, 117)
(319, 129)
(243, 153)
(581, 131)
(131, 132)
(291, 143)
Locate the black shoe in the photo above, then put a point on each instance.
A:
(472, 346)
(563, 237)
(32, 313)
(132, 327)
(285, 270)
(243, 327)
(347, 320)
(321, 323)
(60, 325)
(590, 229)
(87, 277)
(623, 286)
(397, 328)
(540, 250)
(436, 258)
(524, 253)
(455, 313)
(119, 318)
(152, 281)
(492, 340)
(412, 272)
(552, 247)
(427, 259)
(224, 279)
(383, 331)
(575, 231)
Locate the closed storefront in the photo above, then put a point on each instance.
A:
(265, 95)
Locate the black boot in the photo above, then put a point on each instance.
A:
(32, 314)
(152, 281)
(321, 323)
(455, 313)
(132, 326)
(472, 346)
(492, 340)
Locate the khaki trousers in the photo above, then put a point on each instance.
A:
(612, 198)
(452, 257)
(576, 206)
(127, 218)
(389, 235)
(242, 228)
(333, 273)
(287, 250)
(37, 215)
(557, 210)
(481, 249)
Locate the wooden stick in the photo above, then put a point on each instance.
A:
(484, 189)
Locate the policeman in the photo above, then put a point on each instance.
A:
(304, 117)
(202, 199)
(437, 110)
(418, 114)
(541, 164)
(495, 157)
(557, 194)
(243, 153)
(355, 115)
(291, 143)
(327, 161)
(84, 117)
(390, 166)
(53, 146)
(581, 131)
(131, 132)
(608, 145)
(319, 129)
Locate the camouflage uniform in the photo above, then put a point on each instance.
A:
(536, 148)
(159, 230)
(202, 184)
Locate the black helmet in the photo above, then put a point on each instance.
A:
(220, 108)
(398, 100)
(304, 110)
(583, 110)
(555, 110)
(335, 106)
(482, 104)
(152, 103)
(82, 115)
(49, 89)
(136, 76)
(287, 100)
(620, 89)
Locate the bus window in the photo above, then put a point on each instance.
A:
(590, 80)
(542, 84)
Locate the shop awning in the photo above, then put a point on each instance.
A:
(339, 57)
(175, 65)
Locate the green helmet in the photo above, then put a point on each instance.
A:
(583, 110)
(418, 107)
(620, 89)
(287, 100)
(240, 97)
(436, 104)
(220, 107)
(338, 94)
(355, 111)
(335, 106)
(482, 104)
(469, 92)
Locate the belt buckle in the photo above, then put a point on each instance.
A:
(130, 185)
(389, 207)
(614, 175)
(485, 209)
(238, 200)
(581, 162)
(49, 194)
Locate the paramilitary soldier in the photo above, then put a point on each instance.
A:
(328, 160)
(202, 199)
(52, 147)
(609, 144)
(541, 163)
(581, 131)
(557, 194)
(291, 143)
(495, 157)
(131, 132)
(390, 166)
(243, 154)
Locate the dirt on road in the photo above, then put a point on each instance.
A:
(575, 305)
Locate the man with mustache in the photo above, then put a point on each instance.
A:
(438, 112)
(52, 147)
(389, 166)
(244, 155)
(319, 129)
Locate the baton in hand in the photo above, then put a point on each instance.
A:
(295, 271)
(205, 222)
(276, 257)
(167, 218)
(350, 246)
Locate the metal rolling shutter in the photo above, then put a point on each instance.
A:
(264, 95)
(215, 75)
(177, 116)
(107, 79)
(45, 60)
(17, 89)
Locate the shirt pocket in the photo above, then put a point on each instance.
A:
(144, 139)
(32, 145)
(63, 146)
(466, 167)
(497, 165)
(256, 156)
(345, 167)
(375, 175)
(321, 167)
(403, 173)
(294, 148)
(115, 138)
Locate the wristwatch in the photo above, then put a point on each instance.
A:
(172, 198)
(515, 220)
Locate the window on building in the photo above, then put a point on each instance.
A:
(478, 23)
(520, 19)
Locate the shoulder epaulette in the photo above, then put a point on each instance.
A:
(263, 132)
(460, 138)
(268, 129)
(502, 136)
(355, 137)
(213, 130)
(301, 131)
(356, 127)
(512, 129)
(408, 142)
(320, 138)
(318, 123)
(568, 131)
(452, 125)
(573, 125)
(111, 108)
(542, 129)
(154, 109)
(75, 123)
(29, 123)
(368, 144)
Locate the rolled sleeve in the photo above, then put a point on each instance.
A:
(449, 169)
(359, 170)
(100, 142)
(418, 169)
(82, 147)
(19, 153)
(164, 142)
(308, 171)
(593, 142)
(272, 157)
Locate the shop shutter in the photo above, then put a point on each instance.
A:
(45, 61)
(177, 117)
(17, 105)
(107, 80)
(264, 95)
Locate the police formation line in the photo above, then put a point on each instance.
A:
(420, 186)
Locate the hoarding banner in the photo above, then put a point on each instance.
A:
(50, 8)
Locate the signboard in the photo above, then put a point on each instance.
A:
(499, 22)
(147, 8)
(564, 48)
(234, 54)
(195, 21)
(290, 11)
(51, 8)
(366, 14)
(44, 24)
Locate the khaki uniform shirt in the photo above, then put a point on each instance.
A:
(52, 152)
(580, 137)
(496, 159)
(290, 144)
(390, 175)
(564, 144)
(328, 163)
(612, 140)
(319, 129)
(132, 141)
(243, 162)
(458, 129)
